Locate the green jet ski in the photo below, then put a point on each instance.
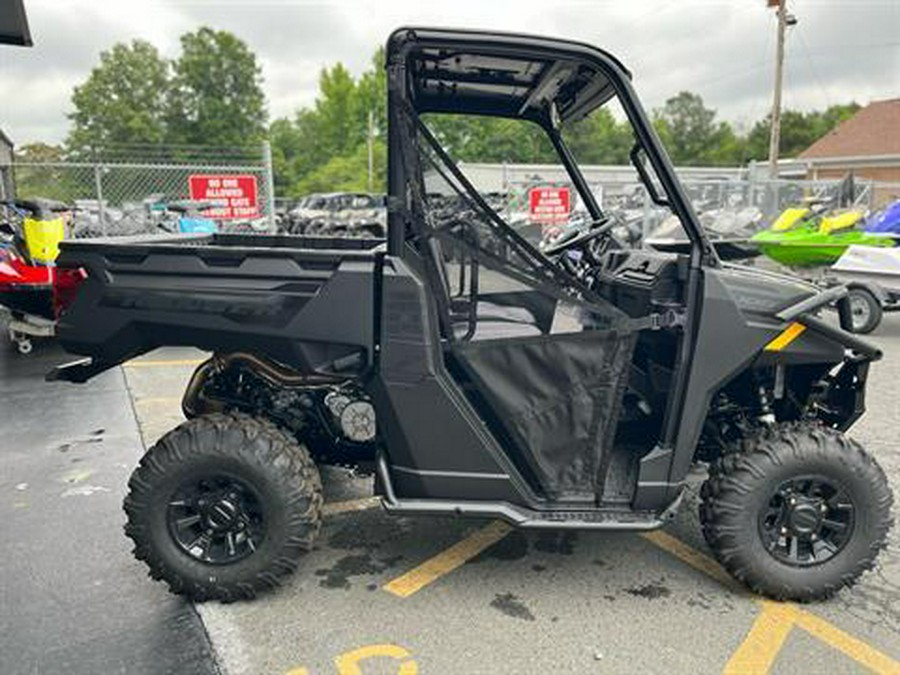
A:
(808, 236)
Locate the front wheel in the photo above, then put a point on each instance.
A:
(223, 506)
(799, 513)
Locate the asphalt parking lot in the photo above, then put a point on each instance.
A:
(382, 594)
(72, 598)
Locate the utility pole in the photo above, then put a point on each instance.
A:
(775, 131)
(370, 138)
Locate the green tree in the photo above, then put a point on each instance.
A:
(834, 115)
(330, 128)
(345, 172)
(687, 128)
(798, 130)
(287, 153)
(36, 175)
(469, 138)
(216, 95)
(122, 101)
(322, 147)
(371, 95)
(599, 139)
(727, 149)
(40, 152)
(336, 121)
(692, 135)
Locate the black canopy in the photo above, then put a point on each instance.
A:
(14, 24)
(504, 74)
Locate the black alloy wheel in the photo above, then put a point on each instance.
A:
(217, 520)
(808, 520)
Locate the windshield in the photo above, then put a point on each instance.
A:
(602, 144)
(483, 242)
(517, 168)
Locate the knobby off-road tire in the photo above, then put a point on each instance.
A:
(746, 493)
(265, 483)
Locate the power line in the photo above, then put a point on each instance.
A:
(815, 73)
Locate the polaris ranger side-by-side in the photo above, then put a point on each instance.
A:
(476, 376)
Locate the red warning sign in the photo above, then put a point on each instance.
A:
(235, 196)
(549, 204)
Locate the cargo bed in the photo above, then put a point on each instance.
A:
(269, 294)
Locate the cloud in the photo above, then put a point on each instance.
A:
(36, 83)
(722, 50)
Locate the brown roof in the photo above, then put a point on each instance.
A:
(874, 130)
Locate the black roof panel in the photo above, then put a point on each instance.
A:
(14, 24)
(503, 74)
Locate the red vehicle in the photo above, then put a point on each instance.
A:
(32, 289)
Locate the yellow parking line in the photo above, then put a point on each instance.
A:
(332, 508)
(758, 651)
(162, 363)
(853, 647)
(692, 557)
(349, 662)
(448, 560)
(760, 647)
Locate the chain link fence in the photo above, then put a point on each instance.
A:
(125, 190)
(134, 189)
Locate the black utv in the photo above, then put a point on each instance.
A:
(477, 376)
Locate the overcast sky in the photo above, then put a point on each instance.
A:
(840, 49)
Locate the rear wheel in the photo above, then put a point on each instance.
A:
(799, 513)
(223, 506)
(865, 309)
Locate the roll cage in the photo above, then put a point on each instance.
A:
(545, 81)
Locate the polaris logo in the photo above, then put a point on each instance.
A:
(267, 307)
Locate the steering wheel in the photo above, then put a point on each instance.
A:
(576, 239)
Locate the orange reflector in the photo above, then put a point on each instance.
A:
(786, 337)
